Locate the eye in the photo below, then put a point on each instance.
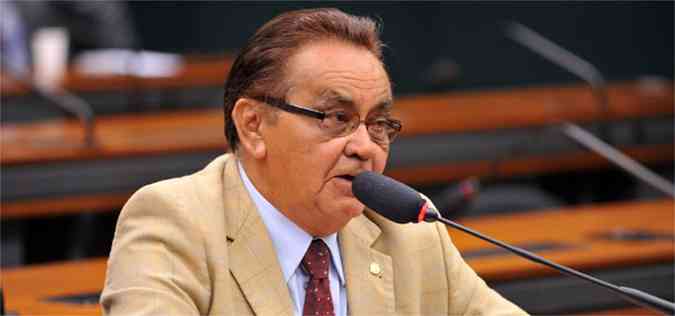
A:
(342, 116)
(337, 119)
(379, 125)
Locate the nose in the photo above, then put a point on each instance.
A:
(360, 146)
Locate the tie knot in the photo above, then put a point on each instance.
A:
(317, 259)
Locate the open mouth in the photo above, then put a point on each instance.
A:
(346, 177)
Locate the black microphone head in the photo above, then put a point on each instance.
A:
(388, 197)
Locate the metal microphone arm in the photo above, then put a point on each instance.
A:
(583, 69)
(636, 296)
(68, 102)
(588, 140)
(563, 58)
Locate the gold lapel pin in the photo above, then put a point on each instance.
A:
(375, 269)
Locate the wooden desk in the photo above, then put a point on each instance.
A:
(147, 134)
(27, 289)
(472, 130)
(576, 228)
(196, 71)
(607, 241)
(636, 311)
(529, 106)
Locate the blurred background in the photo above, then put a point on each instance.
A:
(101, 98)
(430, 42)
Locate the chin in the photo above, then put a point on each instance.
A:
(339, 215)
(343, 208)
(353, 208)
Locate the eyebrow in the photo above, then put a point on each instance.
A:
(330, 94)
(384, 105)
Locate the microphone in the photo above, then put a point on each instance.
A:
(591, 75)
(453, 200)
(400, 203)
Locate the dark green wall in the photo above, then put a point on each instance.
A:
(623, 39)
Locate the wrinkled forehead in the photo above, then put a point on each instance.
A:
(331, 97)
(333, 72)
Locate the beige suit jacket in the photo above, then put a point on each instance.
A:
(196, 245)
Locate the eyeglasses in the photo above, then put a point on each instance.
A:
(342, 122)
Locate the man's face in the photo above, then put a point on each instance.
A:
(307, 169)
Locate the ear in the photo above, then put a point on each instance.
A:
(248, 119)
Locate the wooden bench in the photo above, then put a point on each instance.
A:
(472, 130)
(583, 238)
(196, 71)
(198, 80)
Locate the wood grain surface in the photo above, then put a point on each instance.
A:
(64, 205)
(578, 228)
(148, 134)
(27, 288)
(153, 134)
(196, 71)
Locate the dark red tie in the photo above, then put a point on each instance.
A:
(317, 293)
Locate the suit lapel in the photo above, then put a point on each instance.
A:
(253, 260)
(369, 273)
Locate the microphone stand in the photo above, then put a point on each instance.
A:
(633, 295)
(67, 102)
(567, 61)
(588, 140)
(587, 72)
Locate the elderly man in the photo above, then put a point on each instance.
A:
(273, 228)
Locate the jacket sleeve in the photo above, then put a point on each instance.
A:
(468, 294)
(157, 262)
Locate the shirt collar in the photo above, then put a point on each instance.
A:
(289, 240)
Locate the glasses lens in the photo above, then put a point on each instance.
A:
(394, 129)
(379, 131)
(339, 123)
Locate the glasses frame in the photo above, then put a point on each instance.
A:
(283, 105)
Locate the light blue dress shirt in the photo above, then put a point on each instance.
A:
(291, 244)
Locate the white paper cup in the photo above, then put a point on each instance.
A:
(50, 56)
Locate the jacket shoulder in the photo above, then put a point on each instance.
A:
(199, 187)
